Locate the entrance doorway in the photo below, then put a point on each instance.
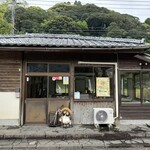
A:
(47, 89)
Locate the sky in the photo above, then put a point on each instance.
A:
(137, 8)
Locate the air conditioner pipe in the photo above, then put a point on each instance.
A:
(116, 80)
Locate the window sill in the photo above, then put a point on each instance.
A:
(132, 103)
(93, 100)
(58, 98)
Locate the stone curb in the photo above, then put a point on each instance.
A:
(121, 135)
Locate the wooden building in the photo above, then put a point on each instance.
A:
(41, 72)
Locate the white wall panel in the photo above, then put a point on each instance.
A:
(9, 106)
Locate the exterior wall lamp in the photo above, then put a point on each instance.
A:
(143, 64)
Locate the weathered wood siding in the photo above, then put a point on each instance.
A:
(128, 61)
(132, 111)
(9, 71)
(135, 112)
(71, 56)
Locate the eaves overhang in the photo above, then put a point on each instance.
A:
(70, 43)
(144, 57)
(77, 49)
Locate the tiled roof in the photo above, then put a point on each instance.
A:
(62, 40)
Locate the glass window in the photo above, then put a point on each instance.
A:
(58, 86)
(84, 84)
(53, 81)
(146, 87)
(36, 67)
(59, 68)
(36, 87)
(130, 87)
(104, 81)
(93, 82)
(135, 87)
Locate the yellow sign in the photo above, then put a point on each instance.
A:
(65, 80)
(102, 86)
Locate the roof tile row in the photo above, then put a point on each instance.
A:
(63, 40)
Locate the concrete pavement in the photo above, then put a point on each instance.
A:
(126, 132)
(72, 144)
(77, 137)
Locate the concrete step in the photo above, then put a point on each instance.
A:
(74, 136)
(74, 133)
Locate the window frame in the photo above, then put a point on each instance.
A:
(47, 74)
(105, 99)
(141, 72)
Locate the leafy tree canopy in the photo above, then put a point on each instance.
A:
(115, 31)
(64, 24)
(76, 18)
(147, 21)
(30, 19)
(5, 27)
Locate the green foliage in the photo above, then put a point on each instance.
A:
(5, 27)
(147, 21)
(29, 19)
(115, 31)
(61, 7)
(64, 24)
(78, 3)
(137, 34)
(97, 23)
(147, 28)
(75, 18)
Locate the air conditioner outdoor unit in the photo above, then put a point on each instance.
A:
(103, 116)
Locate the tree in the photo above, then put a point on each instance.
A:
(115, 31)
(64, 24)
(97, 23)
(147, 21)
(29, 19)
(74, 18)
(77, 3)
(61, 7)
(147, 27)
(5, 27)
(137, 34)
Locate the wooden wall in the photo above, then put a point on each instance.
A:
(128, 61)
(10, 63)
(70, 56)
(135, 112)
(132, 111)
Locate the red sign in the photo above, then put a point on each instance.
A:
(57, 78)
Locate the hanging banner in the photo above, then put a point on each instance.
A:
(102, 86)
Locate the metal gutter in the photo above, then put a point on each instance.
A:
(58, 49)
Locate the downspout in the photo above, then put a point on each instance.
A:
(116, 81)
(117, 99)
(21, 91)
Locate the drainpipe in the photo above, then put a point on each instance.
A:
(117, 99)
(116, 81)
